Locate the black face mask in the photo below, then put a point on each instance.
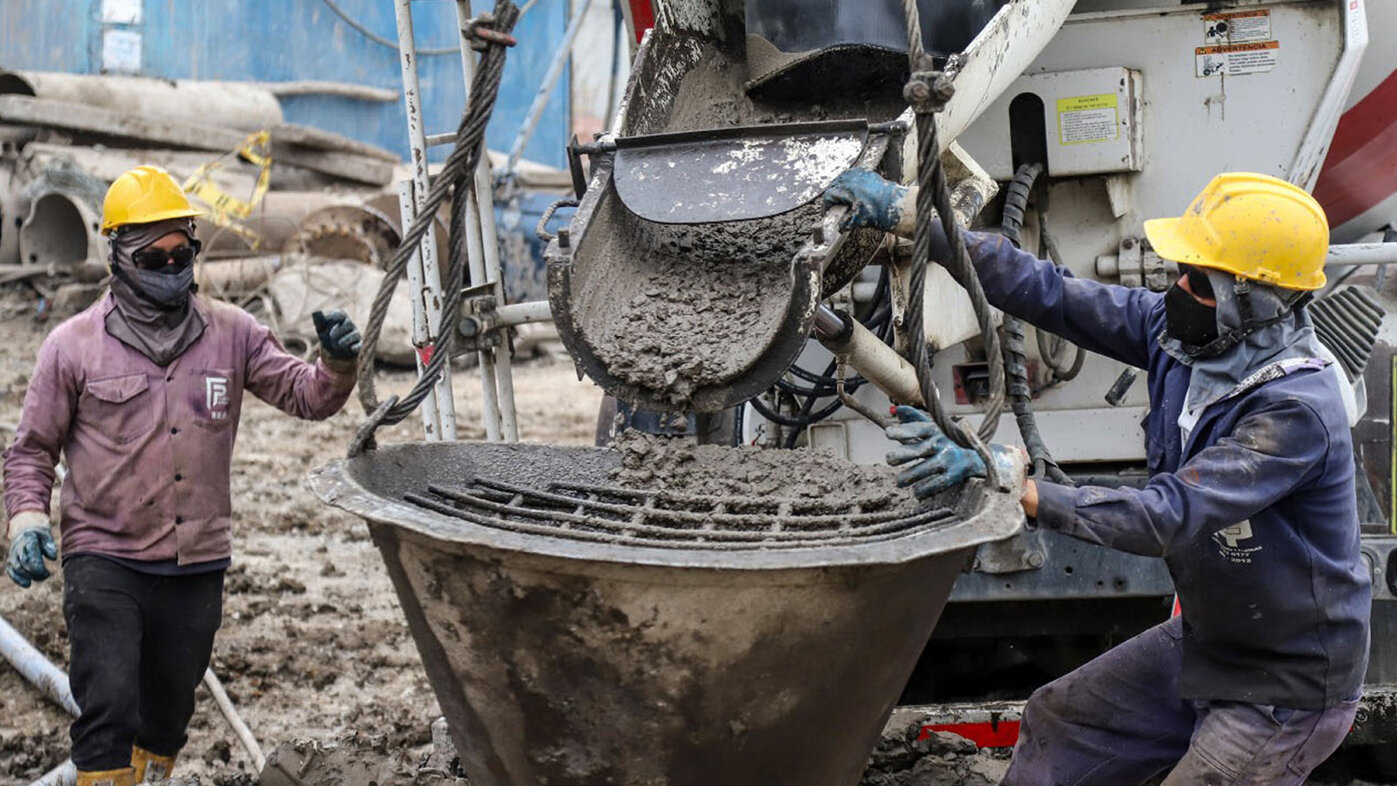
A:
(1187, 320)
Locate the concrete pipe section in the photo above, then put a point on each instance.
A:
(231, 104)
(580, 631)
(62, 230)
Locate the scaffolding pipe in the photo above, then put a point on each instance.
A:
(475, 248)
(431, 415)
(1354, 254)
(523, 313)
(424, 276)
(550, 81)
(497, 377)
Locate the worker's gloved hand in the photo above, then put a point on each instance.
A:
(873, 201)
(338, 336)
(30, 544)
(941, 464)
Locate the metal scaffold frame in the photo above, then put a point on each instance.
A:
(482, 246)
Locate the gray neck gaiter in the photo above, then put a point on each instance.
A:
(154, 312)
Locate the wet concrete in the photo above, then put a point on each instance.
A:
(904, 758)
(696, 306)
(745, 473)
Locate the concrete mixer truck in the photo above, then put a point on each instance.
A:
(1071, 122)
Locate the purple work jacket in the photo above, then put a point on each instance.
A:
(149, 448)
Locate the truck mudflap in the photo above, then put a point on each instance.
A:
(996, 724)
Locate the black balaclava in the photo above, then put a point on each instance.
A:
(1257, 326)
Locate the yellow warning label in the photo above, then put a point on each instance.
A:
(1084, 119)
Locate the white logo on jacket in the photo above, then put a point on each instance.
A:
(216, 397)
(1230, 543)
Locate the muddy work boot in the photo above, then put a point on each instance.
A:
(126, 776)
(149, 767)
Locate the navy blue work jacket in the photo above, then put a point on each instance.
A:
(1255, 516)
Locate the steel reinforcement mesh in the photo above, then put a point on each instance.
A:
(665, 519)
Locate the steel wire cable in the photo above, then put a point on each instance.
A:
(928, 91)
(457, 174)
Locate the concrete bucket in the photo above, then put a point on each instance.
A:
(577, 631)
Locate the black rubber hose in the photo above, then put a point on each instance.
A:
(1015, 361)
(1049, 353)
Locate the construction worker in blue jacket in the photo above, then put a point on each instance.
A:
(1250, 500)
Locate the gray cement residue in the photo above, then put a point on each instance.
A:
(837, 485)
(942, 759)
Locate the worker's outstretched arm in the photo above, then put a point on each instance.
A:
(1118, 322)
(49, 405)
(1272, 451)
(313, 391)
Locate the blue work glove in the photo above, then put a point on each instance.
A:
(872, 201)
(25, 562)
(338, 337)
(941, 463)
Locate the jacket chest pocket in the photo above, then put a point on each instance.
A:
(214, 395)
(122, 408)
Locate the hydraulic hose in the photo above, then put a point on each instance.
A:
(1015, 362)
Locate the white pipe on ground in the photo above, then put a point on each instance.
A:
(230, 713)
(64, 774)
(40, 671)
(36, 668)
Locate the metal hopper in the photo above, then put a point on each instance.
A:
(578, 633)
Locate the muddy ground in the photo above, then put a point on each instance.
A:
(313, 646)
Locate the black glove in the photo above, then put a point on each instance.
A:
(338, 337)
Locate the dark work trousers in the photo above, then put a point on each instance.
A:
(138, 647)
(1119, 721)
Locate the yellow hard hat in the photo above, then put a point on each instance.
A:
(143, 195)
(1255, 226)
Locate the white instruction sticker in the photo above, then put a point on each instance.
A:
(1083, 119)
(1236, 59)
(1237, 27)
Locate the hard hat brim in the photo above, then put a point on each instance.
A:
(1168, 242)
(1171, 244)
(162, 215)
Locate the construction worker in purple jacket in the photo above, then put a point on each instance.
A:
(141, 394)
(1250, 501)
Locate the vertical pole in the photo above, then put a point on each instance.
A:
(496, 369)
(426, 291)
(431, 416)
(550, 81)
